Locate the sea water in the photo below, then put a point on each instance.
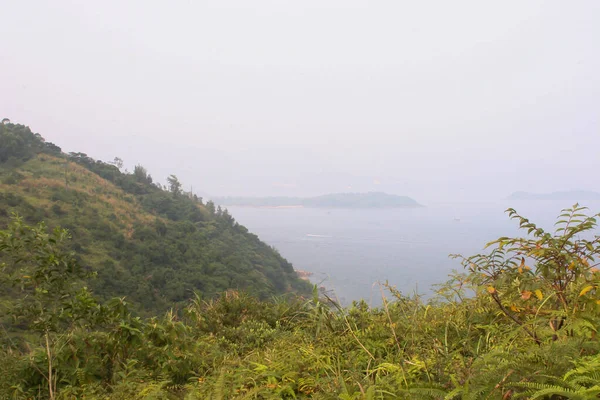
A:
(350, 251)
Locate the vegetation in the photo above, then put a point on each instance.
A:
(337, 200)
(518, 322)
(157, 246)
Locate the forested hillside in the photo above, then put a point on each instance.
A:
(157, 246)
(518, 322)
(506, 328)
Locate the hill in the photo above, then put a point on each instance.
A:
(506, 327)
(503, 328)
(155, 245)
(567, 195)
(336, 200)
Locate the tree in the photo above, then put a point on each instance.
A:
(174, 185)
(17, 142)
(228, 217)
(562, 283)
(117, 162)
(52, 148)
(141, 175)
(46, 280)
(210, 206)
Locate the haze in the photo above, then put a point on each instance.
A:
(435, 100)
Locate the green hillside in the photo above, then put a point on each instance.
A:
(520, 321)
(500, 330)
(155, 245)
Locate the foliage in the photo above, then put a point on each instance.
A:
(467, 342)
(559, 292)
(47, 277)
(156, 247)
(208, 312)
(18, 143)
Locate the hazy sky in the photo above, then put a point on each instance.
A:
(433, 99)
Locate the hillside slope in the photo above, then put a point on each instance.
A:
(153, 245)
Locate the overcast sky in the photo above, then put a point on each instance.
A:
(438, 100)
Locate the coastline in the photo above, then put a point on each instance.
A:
(304, 275)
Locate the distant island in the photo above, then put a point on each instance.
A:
(569, 195)
(337, 200)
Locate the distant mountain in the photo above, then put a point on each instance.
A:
(360, 200)
(570, 195)
(337, 200)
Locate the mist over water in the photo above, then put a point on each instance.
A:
(350, 250)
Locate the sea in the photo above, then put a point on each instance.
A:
(351, 252)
